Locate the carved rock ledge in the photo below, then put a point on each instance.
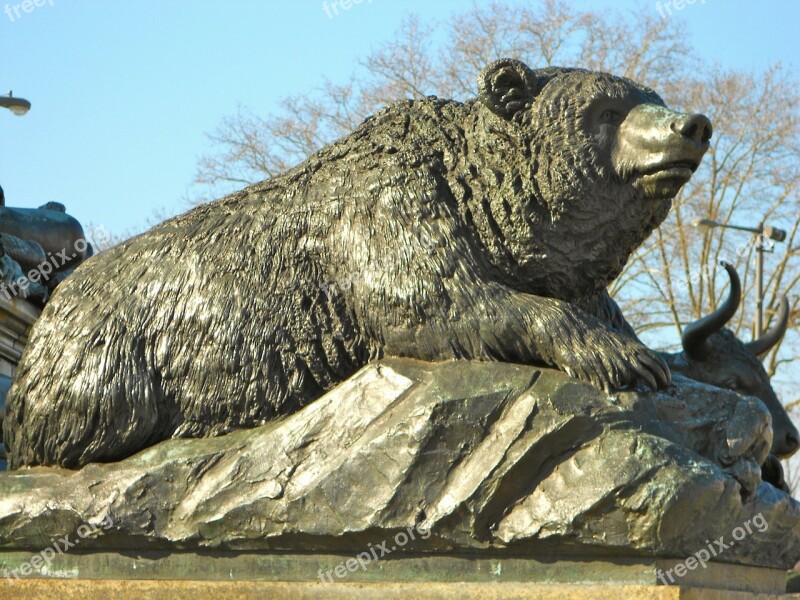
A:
(490, 457)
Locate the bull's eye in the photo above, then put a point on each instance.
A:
(732, 384)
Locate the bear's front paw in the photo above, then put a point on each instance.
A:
(610, 360)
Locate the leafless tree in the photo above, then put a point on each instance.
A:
(413, 64)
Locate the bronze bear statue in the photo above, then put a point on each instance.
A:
(436, 230)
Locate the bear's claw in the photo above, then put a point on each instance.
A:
(610, 360)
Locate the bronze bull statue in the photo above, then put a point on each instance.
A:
(713, 354)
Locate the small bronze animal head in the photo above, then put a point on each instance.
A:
(714, 355)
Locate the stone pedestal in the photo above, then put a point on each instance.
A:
(99, 575)
(230, 590)
(16, 319)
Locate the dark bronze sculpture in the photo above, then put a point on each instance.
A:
(714, 355)
(436, 230)
(39, 248)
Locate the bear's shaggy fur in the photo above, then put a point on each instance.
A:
(436, 230)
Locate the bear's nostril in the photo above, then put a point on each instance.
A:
(792, 441)
(695, 127)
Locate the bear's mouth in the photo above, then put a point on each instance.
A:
(672, 169)
(665, 179)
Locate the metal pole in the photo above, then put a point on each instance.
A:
(763, 233)
(759, 324)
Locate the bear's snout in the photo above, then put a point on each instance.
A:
(658, 149)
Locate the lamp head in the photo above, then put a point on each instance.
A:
(18, 106)
(706, 223)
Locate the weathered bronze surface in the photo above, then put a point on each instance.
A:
(714, 355)
(480, 458)
(39, 248)
(437, 230)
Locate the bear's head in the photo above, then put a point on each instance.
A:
(604, 158)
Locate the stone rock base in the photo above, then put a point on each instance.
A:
(453, 458)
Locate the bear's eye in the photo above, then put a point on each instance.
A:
(609, 116)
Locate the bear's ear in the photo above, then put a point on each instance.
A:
(507, 86)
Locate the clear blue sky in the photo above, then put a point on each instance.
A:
(123, 90)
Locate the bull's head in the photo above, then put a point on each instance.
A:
(712, 354)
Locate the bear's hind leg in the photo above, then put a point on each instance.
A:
(94, 407)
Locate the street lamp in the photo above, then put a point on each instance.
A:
(18, 106)
(763, 233)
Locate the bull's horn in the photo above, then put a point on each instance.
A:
(773, 335)
(695, 335)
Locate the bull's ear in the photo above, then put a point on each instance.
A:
(507, 86)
